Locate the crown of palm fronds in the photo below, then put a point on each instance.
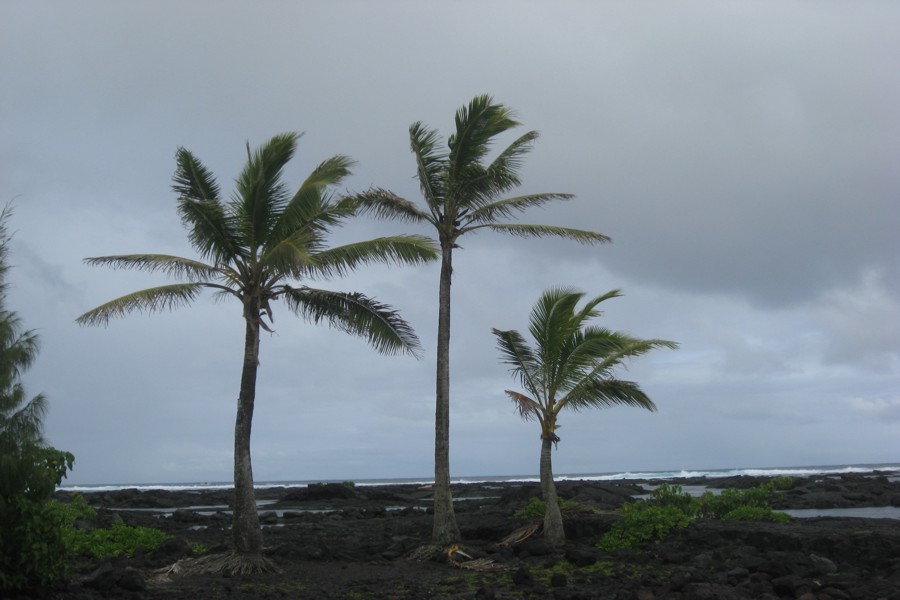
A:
(571, 364)
(463, 192)
(254, 244)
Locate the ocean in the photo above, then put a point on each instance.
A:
(892, 470)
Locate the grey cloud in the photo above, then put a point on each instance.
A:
(742, 156)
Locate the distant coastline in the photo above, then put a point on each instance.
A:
(892, 469)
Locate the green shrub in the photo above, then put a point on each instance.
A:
(198, 549)
(68, 513)
(536, 507)
(669, 507)
(755, 513)
(674, 496)
(644, 522)
(76, 508)
(782, 483)
(712, 506)
(119, 540)
(32, 548)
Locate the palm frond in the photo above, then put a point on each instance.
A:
(511, 157)
(528, 408)
(210, 229)
(487, 214)
(310, 208)
(605, 393)
(192, 180)
(329, 172)
(587, 311)
(293, 255)
(201, 209)
(503, 172)
(384, 204)
(551, 325)
(261, 195)
(155, 299)
(551, 317)
(175, 266)
(616, 347)
(538, 231)
(525, 363)
(431, 165)
(356, 314)
(608, 350)
(400, 249)
(476, 126)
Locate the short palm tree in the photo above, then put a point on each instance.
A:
(463, 194)
(571, 366)
(251, 247)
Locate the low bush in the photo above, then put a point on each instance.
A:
(674, 496)
(32, 548)
(756, 513)
(118, 540)
(644, 522)
(721, 506)
(536, 507)
(670, 507)
(198, 549)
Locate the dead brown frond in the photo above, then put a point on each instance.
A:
(462, 560)
(521, 534)
(480, 564)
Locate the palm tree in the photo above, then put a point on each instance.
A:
(571, 366)
(464, 194)
(251, 247)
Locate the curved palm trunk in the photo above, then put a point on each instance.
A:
(553, 525)
(246, 533)
(445, 530)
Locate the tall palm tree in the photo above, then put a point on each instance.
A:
(251, 247)
(463, 193)
(571, 366)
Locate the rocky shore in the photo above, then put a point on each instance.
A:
(342, 541)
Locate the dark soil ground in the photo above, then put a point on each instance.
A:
(363, 545)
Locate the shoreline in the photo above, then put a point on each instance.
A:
(675, 476)
(828, 491)
(334, 540)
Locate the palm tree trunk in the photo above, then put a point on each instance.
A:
(445, 530)
(246, 533)
(553, 525)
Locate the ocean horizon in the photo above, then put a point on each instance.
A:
(891, 469)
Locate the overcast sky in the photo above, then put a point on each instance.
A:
(743, 156)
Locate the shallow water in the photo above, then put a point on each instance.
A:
(868, 512)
